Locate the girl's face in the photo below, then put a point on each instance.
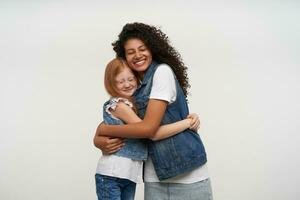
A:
(126, 82)
(138, 55)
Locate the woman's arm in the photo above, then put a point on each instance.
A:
(110, 145)
(126, 114)
(143, 129)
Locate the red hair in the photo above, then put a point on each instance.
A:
(113, 68)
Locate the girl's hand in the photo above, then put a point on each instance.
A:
(195, 121)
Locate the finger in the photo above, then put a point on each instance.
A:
(109, 144)
(197, 121)
(194, 122)
(114, 140)
(198, 125)
(114, 146)
(195, 125)
(114, 150)
(193, 128)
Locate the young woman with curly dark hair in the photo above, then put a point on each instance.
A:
(176, 167)
(159, 46)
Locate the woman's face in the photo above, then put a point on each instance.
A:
(138, 55)
(126, 82)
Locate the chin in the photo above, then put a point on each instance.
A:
(141, 68)
(127, 95)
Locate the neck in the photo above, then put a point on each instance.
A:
(141, 75)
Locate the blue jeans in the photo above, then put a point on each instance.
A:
(112, 188)
(177, 191)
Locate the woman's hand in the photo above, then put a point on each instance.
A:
(108, 145)
(195, 121)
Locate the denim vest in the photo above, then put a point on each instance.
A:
(136, 149)
(180, 153)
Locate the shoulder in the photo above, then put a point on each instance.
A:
(163, 85)
(164, 68)
(163, 72)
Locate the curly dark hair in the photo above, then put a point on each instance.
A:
(159, 46)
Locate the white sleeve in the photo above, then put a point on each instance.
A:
(163, 86)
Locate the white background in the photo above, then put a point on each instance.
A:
(243, 61)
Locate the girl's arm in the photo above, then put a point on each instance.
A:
(126, 114)
(169, 130)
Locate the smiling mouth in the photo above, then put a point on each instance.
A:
(139, 62)
(129, 90)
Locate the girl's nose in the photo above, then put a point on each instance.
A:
(126, 84)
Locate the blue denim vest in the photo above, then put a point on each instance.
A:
(180, 153)
(136, 149)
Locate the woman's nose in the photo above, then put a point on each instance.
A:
(137, 54)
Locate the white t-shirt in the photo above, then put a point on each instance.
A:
(120, 167)
(164, 88)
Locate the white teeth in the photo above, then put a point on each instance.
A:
(140, 62)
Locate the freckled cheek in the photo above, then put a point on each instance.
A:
(119, 87)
